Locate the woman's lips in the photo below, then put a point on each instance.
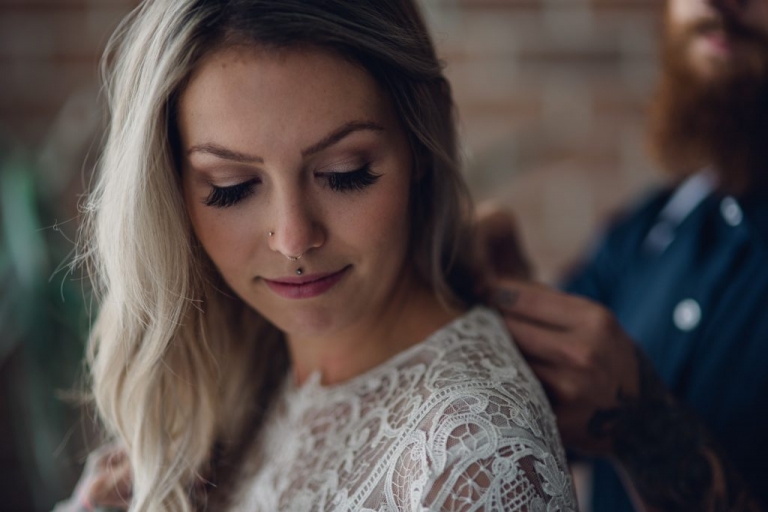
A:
(305, 287)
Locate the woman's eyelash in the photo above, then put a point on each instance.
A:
(353, 180)
(222, 197)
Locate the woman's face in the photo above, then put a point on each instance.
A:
(297, 153)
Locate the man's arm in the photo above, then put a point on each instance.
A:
(609, 402)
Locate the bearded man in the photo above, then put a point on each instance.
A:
(659, 362)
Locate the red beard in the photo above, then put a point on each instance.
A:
(721, 120)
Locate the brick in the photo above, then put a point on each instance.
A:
(31, 36)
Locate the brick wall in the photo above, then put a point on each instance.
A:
(49, 51)
(552, 96)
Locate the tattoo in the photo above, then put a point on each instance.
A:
(671, 459)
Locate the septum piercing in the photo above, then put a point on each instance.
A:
(292, 258)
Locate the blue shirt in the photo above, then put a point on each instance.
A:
(698, 306)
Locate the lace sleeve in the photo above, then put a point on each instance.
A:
(484, 452)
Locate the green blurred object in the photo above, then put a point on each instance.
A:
(43, 325)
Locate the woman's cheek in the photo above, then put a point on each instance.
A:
(229, 239)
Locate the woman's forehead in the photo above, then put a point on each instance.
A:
(264, 92)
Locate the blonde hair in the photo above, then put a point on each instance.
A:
(178, 365)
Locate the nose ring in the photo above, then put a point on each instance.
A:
(292, 258)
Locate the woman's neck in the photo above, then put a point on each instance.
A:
(406, 320)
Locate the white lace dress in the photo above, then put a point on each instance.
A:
(456, 422)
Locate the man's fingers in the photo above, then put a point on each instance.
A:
(541, 303)
(560, 384)
(538, 342)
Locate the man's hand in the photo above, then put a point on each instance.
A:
(576, 347)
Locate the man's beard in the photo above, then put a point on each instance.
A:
(720, 120)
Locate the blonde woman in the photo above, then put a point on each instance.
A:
(277, 233)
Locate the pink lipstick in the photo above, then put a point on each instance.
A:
(305, 287)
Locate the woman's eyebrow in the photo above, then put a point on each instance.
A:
(339, 134)
(216, 150)
(336, 136)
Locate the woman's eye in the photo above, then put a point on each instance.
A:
(353, 180)
(222, 197)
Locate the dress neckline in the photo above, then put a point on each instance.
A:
(312, 387)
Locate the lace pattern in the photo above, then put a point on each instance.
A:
(457, 422)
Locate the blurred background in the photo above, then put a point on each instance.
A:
(552, 97)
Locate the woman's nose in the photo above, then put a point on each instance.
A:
(296, 229)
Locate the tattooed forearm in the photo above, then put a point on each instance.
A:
(670, 458)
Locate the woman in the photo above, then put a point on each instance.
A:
(277, 232)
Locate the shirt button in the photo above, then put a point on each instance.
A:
(731, 211)
(687, 315)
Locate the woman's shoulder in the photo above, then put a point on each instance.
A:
(479, 323)
(477, 351)
(484, 423)
(475, 363)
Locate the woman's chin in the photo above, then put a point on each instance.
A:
(308, 321)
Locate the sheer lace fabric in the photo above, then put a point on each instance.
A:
(455, 423)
